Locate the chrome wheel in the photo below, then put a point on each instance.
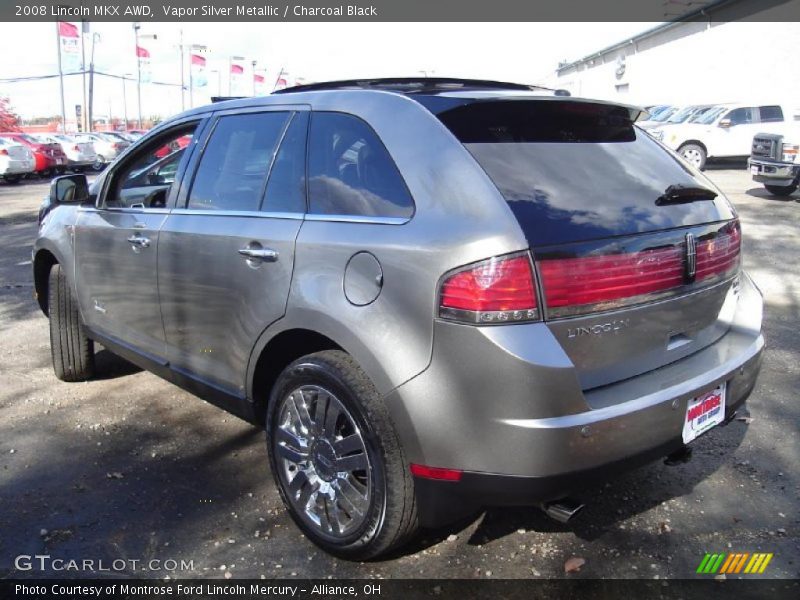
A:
(322, 461)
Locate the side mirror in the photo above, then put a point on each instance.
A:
(725, 123)
(69, 189)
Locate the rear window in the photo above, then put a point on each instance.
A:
(575, 171)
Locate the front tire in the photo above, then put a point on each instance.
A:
(781, 190)
(99, 163)
(694, 154)
(71, 349)
(337, 460)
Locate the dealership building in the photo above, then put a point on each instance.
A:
(723, 51)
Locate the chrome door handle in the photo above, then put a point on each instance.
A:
(140, 241)
(266, 254)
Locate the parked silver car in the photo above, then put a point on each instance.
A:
(107, 147)
(435, 295)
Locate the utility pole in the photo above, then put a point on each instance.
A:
(125, 99)
(136, 27)
(85, 28)
(61, 81)
(277, 79)
(90, 116)
(183, 84)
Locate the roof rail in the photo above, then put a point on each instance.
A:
(414, 85)
(215, 99)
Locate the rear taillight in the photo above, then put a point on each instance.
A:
(586, 284)
(76, 149)
(497, 290)
(3, 152)
(119, 146)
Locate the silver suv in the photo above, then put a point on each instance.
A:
(435, 295)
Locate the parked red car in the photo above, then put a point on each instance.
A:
(173, 146)
(50, 158)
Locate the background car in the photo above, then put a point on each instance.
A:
(80, 153)
(16, 160)
(725, 131)
(106, 146)
(49, 156)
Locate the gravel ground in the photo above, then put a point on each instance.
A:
(129, 467)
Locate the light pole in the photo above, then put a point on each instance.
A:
(89, 116)
(136, 28)
(125, 97)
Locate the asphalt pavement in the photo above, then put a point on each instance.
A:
(127, 469)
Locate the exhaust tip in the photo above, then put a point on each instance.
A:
(562, 510)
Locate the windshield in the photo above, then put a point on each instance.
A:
(665, 114)
(684, 114)
(708, 117)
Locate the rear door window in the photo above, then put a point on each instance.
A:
(576, 171)
(233, 169)
(286, 188)
(350, 171)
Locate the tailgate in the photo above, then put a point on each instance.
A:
(635, 252)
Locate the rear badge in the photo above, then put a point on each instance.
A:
(601, 328)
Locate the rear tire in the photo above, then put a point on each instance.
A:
(71, 349)
(315, 482)
(781, 190)
(12, 179)
(694, 154)
(99, 163)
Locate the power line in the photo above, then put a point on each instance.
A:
(96, 72)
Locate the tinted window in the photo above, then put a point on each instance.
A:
(578, 171)
(350, 171)
(286, 189)
(770, 113)
(740, 116)
(145, 178)
(235, 162)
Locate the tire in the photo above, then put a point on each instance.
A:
(99, 163)
(372, 509)
(781, 190)
(694, 154)
(71, 349)
(12, 179)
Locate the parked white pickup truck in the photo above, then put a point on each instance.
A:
(773, 160)
(726, 131)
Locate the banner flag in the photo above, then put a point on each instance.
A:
(143, 56)
(198, 71)
(69, 46)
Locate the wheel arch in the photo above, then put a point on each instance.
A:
(274, 354)
(43, 262)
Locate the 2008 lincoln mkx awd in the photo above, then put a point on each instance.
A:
(435, 295)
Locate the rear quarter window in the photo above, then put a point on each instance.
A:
(350, 172)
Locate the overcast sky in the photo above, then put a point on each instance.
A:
(522, 52)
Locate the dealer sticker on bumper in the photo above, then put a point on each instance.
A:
(703, 413)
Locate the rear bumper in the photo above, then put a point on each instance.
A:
(773, 173)
(523, 432)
